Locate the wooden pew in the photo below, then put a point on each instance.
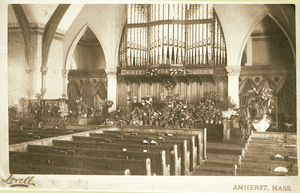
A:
(136, 167)
(196, 144)
(191, 154)
(158, 159)
(182, 147)
(21, 140)
(171, 151)
(31, 134)
(269, 154)
(16, 168)
(200, 135)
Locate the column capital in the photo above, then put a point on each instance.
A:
(44, 69)
(233, 70)
(111, 71)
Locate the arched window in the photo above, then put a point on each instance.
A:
(172, 34)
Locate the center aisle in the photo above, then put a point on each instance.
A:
(221, 156)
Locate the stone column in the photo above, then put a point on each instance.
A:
(33, 65)
(112, 87)
(44, 71)
(226, 129)
(64, 74)
(30, 83)
(233, 83)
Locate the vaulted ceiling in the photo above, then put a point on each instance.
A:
(40, 14)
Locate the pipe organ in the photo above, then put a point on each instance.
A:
(167, 38)
(160, 34)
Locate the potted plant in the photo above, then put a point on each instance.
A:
(260, 105)
(227, 107)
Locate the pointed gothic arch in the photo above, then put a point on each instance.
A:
(247, 81)
(263, 16)
(75, 42)
(245, 86)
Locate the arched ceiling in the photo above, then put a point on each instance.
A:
(39, 13)
(70, 16)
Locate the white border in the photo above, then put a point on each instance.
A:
(122, 183)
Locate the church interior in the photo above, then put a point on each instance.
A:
(152, 89)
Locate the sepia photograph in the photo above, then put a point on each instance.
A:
(149, 96)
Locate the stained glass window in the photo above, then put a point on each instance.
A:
(176, 34)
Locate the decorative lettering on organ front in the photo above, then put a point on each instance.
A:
(166, 71)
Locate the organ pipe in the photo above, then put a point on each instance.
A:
(176, 34)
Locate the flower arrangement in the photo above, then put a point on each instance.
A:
(175, 112)
(147, 101)
(260, 103)
(169, 85)
(129, 97)
(63, 109)
(12, 113)
(151, 72)
(82, 108)
(106, 103)
(19, 115)
(177, 72)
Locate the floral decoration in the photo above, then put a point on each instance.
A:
(260, 103)
(82, 108)
(151, 72)
(174, 112)
(63, 109)
(177, 72)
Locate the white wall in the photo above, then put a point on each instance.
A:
(16, 68)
